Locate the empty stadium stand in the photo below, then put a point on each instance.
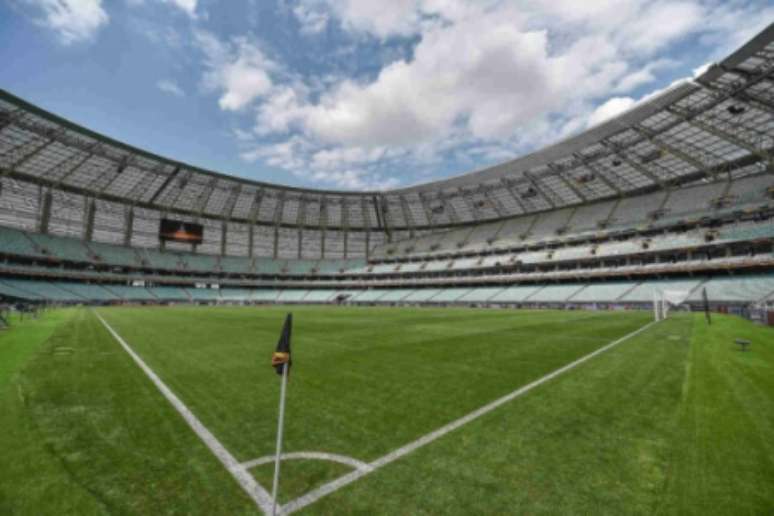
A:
(675, 194)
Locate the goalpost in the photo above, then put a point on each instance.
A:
(665, 300)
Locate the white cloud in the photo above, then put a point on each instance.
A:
(187, 6)
(485, 80)
(613, 107)
(700, 70)
(483, 72)
(312, 20)
(642, 75)
(347, 169)
(380, 18)
(238, 69)
(170, 87)
(354, 179)
(279, 111)
(73, 20)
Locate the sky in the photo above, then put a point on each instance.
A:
(356, 94)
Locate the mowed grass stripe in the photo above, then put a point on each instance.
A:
(427, 439)
(725, 463)
(259, 495)
(677, 421)
(102, 440)
(353, 395)
(647, 428)
(533, 456)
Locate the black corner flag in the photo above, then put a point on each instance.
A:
(280, 360)
(706, 306)
(281, 355)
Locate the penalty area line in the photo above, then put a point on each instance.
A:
(257, 493)
(334, 485)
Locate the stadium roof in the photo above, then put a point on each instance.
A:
(720, 123)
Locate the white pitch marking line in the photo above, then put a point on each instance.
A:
(333, 457)
(335, 485)
(259, 495)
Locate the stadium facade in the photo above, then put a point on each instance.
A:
(677, 193)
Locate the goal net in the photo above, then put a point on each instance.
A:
(665, 300)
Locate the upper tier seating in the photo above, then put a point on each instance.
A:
(422, 295)
(64, 248)
(319, 296)
(369, 295)
(169, 293)
(235, 294)
(264, 295)
(515, 294)
(556, 293)
(688, 201)
(755, 288)
(450, 295)
(549, 224)
(512, 231)
(203, 294)
(722, 289)
(395, 295)
(337, 266)
(292, 296)
(115, 255)
(660, 208)
(13, 241)
(300, 267)
(200, 262)
(17, 292)
(86, 291)
(131, 293)
(747, 231)
(268, 266)
(634, 211)
(644, 293)
(517, 239)
(589, 217)
(236, 264)
(481, 236)
(603, 292)
(481, 295)
(156, 259)
(43, 289)
(750, 190)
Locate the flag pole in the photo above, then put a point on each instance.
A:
(280, 422)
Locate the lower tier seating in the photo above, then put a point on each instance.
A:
(750, 288)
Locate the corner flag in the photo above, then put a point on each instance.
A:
(706, 305)
(281, 355)
(280, 360)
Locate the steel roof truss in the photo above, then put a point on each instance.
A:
(586, 163)
(720, 133)
(228, 208)
(671, 149)
(539, 190)
(407, 214)
(256, 206)
(636, 166)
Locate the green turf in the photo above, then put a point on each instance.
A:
(674, 421)
(84, 433)
(299, 476)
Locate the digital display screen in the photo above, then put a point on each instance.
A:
(179, 231)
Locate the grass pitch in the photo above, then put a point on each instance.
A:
(673, 421)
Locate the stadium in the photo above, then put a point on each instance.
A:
(482, 344)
